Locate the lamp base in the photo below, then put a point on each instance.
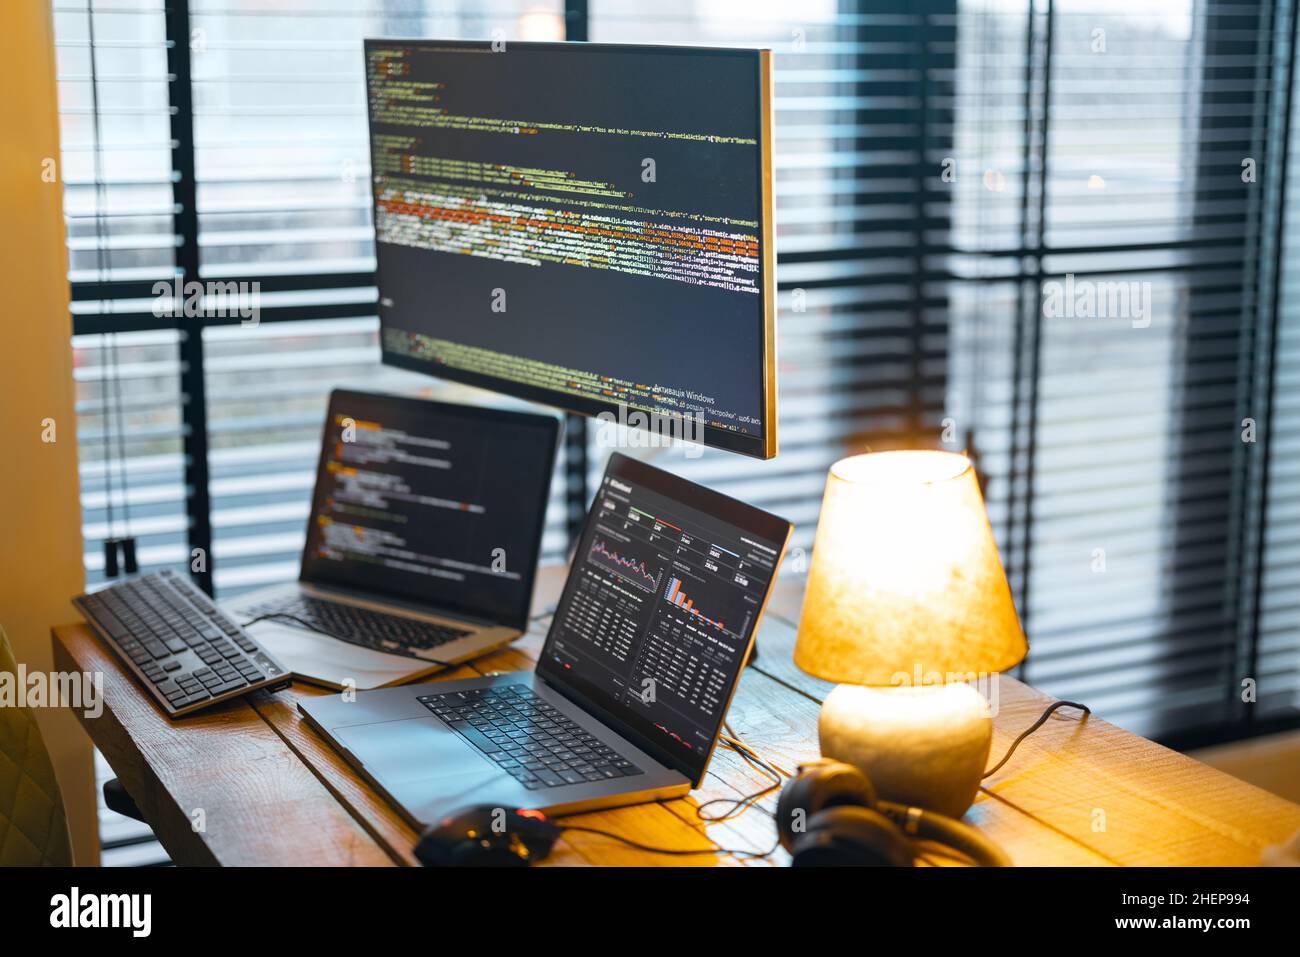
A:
(925, 746)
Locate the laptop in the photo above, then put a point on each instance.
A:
(422, 542)
(657, 618)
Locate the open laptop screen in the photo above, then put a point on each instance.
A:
(659, 610)
(433, 503)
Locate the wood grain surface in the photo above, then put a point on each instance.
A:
(268, 790)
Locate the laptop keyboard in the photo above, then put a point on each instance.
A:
(392, 634)
(530, 739)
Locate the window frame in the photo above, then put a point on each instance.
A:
(1246, 553)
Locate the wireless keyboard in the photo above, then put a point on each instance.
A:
(179, 646)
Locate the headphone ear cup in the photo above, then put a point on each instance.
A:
(849, 836)
(820, 786)
(792, 810)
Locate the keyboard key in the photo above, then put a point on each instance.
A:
(496, 721)
(476, 737)
(362, 626)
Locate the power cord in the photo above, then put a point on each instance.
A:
(1010, 751)
(775, 773)
(672, 851)
(1042, 718)
(738, 806)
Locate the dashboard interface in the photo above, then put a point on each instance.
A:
(660, 606)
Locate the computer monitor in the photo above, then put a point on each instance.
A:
(584, 225)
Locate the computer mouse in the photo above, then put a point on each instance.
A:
(485, 835)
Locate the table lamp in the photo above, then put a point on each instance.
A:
(907, 603)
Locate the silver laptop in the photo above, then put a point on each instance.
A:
(656, 620)
(422, 542)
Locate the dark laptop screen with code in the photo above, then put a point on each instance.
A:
(431, 502)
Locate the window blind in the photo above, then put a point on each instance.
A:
(115, 168)
(1126, 501)
(232, 148)
(1275, 659)
(862, 97)
(942, 168)
(283, 174)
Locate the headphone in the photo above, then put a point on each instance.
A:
(829, 815)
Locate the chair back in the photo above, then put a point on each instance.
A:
(33, 829)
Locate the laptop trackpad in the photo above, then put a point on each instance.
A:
(421, 749)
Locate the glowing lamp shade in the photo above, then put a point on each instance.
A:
(906, 586)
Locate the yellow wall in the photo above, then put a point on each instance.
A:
(40, 537)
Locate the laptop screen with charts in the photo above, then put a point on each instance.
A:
(657, 617)
(433, 503)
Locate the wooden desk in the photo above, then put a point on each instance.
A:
(269, 791)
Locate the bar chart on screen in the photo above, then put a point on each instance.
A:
(675, 595)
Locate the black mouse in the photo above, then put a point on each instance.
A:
(485, 835)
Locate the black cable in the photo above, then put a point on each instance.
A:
(755, 761)
(107, 343)
(738, 805)
(119, 429)
(1010, 751)
(104, 265)
(774, 772)
(1034, 727)
(959, 841)
(672, 851)
(351, 640)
